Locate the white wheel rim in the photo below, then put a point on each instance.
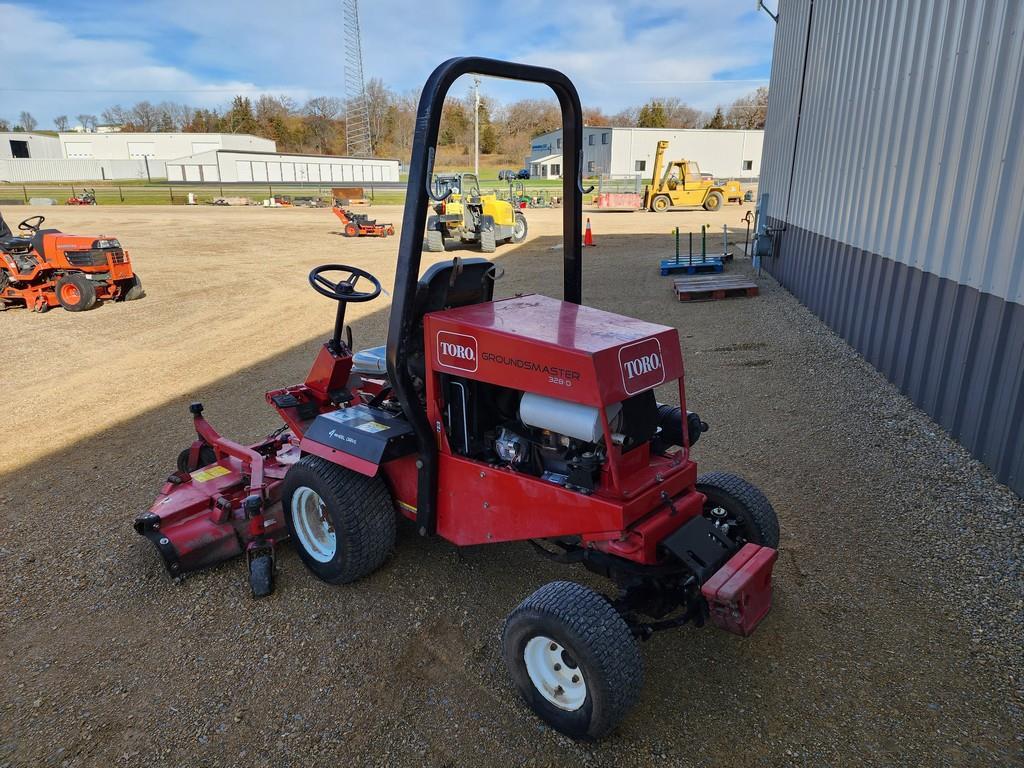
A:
(313, 525)
(551, 670)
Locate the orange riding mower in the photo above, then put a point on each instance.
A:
(361, 225)
(44, 268)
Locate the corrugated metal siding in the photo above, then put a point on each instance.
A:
(33, 169)
(905, 219)
(783, 102)
(910, 143)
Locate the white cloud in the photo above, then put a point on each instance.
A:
(612, 49)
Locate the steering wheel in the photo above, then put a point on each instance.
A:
(343, 290)
(28, 226)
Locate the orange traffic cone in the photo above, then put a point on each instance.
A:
(588, 236)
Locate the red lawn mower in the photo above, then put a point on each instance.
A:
(360, 224)
(525, 419)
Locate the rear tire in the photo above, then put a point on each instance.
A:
(132, 289)
(75, 293)
(351, 230)
(519, 228)
(744, 503)
(487, 241)
(434, 241)
(5, 280)
(342, 522)
(573, 659)
(713, 201)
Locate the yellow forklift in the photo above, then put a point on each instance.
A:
(680, 184)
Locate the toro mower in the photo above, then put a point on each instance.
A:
(528, 419)
(45, 268)
(361, 225)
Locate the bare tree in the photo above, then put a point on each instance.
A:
(115, 115)
(60, 122)
(322, 113)
(26, 122)
(4, 125)
(380, 105)
(679, 114)
(749, 111)
(88, 122)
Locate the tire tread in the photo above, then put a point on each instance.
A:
(751, 497)
(596, 622)
(368, 514)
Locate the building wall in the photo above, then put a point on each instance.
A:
(895, 168)
(39, 144)
(616, 151)
(156, 146)
(62, 169)
(262, 168)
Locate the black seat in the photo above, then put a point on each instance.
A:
(445, 285)
(456, 283)
(5, 231)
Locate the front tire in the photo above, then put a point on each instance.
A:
(487, 241)
(573, 659)
(660, 204)
(713, 201)
(519, 228)
(434, 241)
(75, 293)
(132, 289)
(732, 499)
(342, 522)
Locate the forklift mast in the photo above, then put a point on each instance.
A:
(418, 197)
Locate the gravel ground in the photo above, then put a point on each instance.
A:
(895, 636)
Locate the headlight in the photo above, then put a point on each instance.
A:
(106, 244)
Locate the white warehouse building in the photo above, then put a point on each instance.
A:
(74, 156)
(732, 154)
(230, 166)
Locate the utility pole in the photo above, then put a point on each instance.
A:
(476, 126)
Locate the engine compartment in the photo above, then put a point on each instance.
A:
(557, 440)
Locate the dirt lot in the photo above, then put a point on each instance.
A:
(894, 639)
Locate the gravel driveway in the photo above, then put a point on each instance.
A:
(895, 636)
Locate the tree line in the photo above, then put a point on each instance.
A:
(318, 125)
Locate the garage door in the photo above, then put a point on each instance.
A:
(243, 169)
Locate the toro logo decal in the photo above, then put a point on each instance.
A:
(457, 350)
(642, 366)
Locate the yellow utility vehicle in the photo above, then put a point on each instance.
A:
(680, 184)
(463, 213)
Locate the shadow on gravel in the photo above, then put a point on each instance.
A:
(107, 661)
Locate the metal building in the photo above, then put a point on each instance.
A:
(228, 166)
(74, 155)
(609, 151)
(893, 189)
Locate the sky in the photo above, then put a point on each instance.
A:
(69, 57)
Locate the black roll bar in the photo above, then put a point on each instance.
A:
(421, 168)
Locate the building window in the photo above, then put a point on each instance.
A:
(641, 165)
(748, 165)
(590, 166)
(558, 144)
(590, 139)
(556, 170)
(19, 148)
(604, 137)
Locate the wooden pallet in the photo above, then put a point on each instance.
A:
(691, 266)
(711, 287)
